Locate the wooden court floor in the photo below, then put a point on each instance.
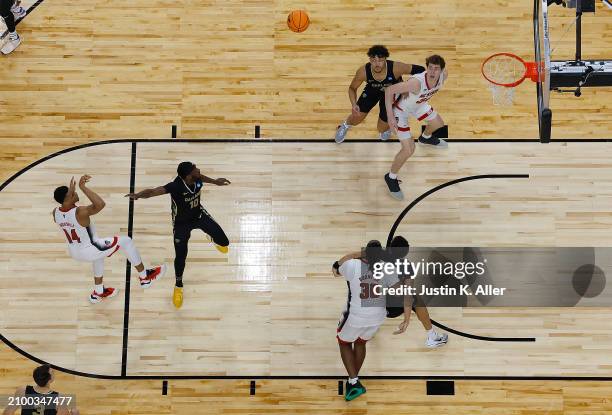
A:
(217, 69)
(271, 305)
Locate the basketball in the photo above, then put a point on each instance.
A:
(298, 21)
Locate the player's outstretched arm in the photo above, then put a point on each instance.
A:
(221, 181)
(97, 203)
(147, 193)
(407, 308)
(401, 68)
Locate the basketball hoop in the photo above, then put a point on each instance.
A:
(505, 71)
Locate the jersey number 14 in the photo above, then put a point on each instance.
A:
(72, 236)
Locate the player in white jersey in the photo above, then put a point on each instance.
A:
(410, 99)
(85, 245)
(365, 311)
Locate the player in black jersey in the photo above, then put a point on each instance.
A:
(40, 399)
(378, 74)
(187, 214)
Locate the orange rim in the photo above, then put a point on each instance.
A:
(531, 70)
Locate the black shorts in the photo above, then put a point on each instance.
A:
(369, 98)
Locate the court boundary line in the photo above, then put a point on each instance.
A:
(288, 377)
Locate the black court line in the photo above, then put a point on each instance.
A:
(415, 202)
(128, 266)
(30, 10)
(289, 377)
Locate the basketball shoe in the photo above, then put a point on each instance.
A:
(222, 249)
(353, 391)
(108, 292)
(394, 187)
(177, 297)
(436, 341)
(18, 11)
(341, 132)
(153, 275)
(14, 40)
(433, 141)
(385, 135)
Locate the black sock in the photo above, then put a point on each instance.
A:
(179, 282)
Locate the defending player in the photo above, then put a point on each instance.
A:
(378, 74)
(409, 99)
(399, 250)
(187, 214)
(85, 245)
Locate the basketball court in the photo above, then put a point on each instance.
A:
(529, 177)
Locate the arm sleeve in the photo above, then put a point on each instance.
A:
(417, 69)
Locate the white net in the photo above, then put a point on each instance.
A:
(503, 69)
(503, 96)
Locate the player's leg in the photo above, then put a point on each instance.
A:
(181, 236)
(434, 122)
(126, 245)
(100, 292)
(367, 100)
(347, 336)
(406, 151)
(13, 38)
(146, 276)
(434, 339)
(383, 126)
(209, 226)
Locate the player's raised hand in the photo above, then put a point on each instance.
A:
(83, 180)
(72, 185)
(132, 196)
(221, 181)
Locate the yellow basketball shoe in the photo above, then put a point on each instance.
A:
(177, 297)
(222, 249)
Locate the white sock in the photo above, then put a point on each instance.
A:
(13, 36)
(99, 289)
(392, 176)
(353, 381)
(426, 135)
(143, 273)
(347, 125)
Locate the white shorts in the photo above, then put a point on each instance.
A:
(105, 248)
(421, 112)
(349, 334)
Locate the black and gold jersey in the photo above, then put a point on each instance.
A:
(185, 200)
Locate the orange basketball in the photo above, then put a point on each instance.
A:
(298, 21)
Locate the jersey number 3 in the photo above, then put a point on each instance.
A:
(72, 236)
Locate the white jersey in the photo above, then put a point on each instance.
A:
(364, 308)
(411, 100)
(80, 238)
